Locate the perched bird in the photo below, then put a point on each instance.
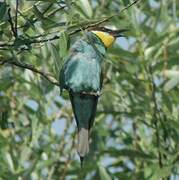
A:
(81, 76)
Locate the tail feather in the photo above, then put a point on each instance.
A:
(84, 108)
(83, 142)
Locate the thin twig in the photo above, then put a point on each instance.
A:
(5, 45)
(156, 115)
(17, 4)
(47, 16)
(34, 41)
(11, 22)
(88, 26)
(32, 68)
(47, 76)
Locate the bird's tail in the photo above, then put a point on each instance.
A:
(83, 142)
(84, 108)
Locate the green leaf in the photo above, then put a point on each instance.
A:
(37, 12)
(126, 2)
(169, 85)
(160, 173)
(129, 153)
(25, 154)
(22, 42)
(4, 120)
(46, 86)
(85, 7)
(3, 9)
(56, 59)
(103, 173)
(3, 141)
(29, 109)
(63, 44)
(8, 159)
(167, 102)
(123, 54)
(35, 130)
(5, 85)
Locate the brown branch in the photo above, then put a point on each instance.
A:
(47, 76)
(88, 26)
(82, 28)
(11, 22)
(56, 10)
(15, 28)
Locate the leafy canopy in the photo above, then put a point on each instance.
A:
(135, 135)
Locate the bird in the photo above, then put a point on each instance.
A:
(81, 76)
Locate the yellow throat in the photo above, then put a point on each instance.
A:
(106, 38)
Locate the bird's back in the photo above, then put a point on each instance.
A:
(82, 69)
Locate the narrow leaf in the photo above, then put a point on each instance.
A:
(63, 44)
(103, 173)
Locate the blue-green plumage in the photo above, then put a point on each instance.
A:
(82, 69)
(81, 76)
(84, 107)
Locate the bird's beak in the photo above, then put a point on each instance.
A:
(118, 33)
(115, 33)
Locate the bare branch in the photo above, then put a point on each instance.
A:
(11, 22)
(47, 76)
(88, 26)
(156, 117)
(15, 28)
(35, 40)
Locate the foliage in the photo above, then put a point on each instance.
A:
(136, 132)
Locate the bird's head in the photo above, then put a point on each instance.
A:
(108, 36)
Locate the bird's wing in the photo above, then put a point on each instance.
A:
(84, 107)
(75, 49)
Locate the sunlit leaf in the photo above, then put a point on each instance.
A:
(103, 173)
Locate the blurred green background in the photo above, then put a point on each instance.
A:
(136, 131)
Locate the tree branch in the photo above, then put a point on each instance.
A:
(11, 23)
(88, 26)
(35, 19)
(47, 76)
(15, 28)
(157, 117)
(36, 40)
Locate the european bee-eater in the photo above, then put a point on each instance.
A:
(81, 76)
